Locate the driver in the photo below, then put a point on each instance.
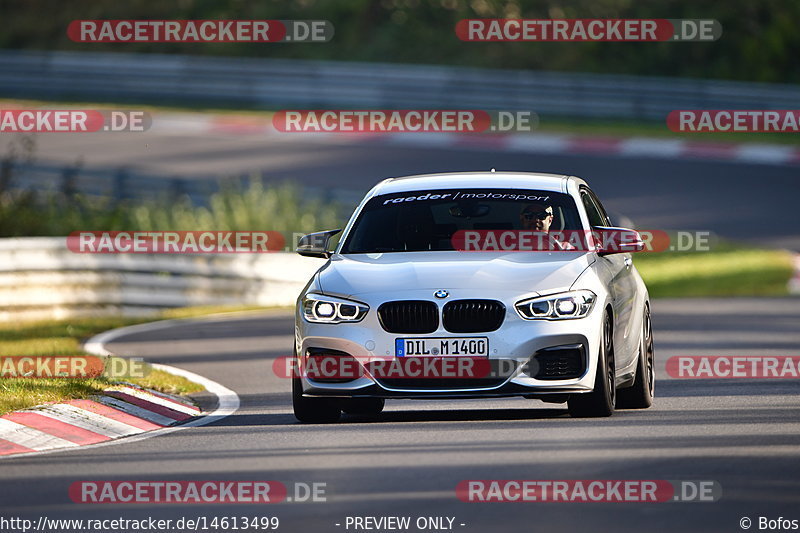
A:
(539, 217)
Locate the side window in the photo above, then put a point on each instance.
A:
(600, 208)
(595, 214)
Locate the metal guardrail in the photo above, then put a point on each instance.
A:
(123, 183)
(40, 279)
(117, 184)
(277, 83)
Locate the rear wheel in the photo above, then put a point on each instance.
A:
(600, 402)
(640, 395)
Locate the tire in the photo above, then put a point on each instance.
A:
(640, 395)
(313, 410)
(363, 406)
(601, 401)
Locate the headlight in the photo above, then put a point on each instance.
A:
(562, 306)
(329, 310)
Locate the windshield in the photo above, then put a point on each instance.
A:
(416, 221)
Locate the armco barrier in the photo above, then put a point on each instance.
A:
(276, 83)
(122, 183)
(40, 278)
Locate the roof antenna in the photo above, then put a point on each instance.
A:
(493, 169)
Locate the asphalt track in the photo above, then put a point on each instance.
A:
(739, 201)
(743, 434)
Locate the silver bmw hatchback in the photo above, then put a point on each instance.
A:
(474, 285)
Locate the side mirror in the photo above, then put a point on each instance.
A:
(316, 244)
(613, 240)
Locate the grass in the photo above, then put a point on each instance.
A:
(728, 270)
(21, 393)
(63, 338)
(191, 312)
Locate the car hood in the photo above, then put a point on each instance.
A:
(351, 275)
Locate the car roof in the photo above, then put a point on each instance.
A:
(494, 180)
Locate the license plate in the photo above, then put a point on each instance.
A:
(442, 347)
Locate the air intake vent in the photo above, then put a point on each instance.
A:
(559, 362)
(473, 316)
(409, 316)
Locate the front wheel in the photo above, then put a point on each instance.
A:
(313, 410)
(601, 401)
(363, 406)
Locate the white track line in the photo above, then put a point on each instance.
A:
(765, 153)
(31, 438)
(647, 147)
(88, 420)
(175, 399)
(135, 410)
(227, 400)
(537, 143)
(163, 402)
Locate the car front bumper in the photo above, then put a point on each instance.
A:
(511, 346)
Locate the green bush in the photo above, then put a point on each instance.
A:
(239, 206)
